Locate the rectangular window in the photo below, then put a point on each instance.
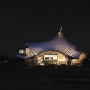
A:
(50, 57)
(21, 51)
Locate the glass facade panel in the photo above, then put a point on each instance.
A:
(50, 57)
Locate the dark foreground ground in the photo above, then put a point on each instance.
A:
(45, 79)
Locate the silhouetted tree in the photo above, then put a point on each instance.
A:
(86, 61)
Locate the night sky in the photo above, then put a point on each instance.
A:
(40, 20)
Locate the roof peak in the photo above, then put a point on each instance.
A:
(60, 34)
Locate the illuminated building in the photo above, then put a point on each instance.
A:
(56, 51)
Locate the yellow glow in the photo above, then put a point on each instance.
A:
(27, 51)
(82, 56)
(75, 62)
(62, 58)
(42, 64)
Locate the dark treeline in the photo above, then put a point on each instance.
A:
(10, 59)
(12, 64)
(86, 61)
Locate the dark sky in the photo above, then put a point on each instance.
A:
(40, 20)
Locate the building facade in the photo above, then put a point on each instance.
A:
(56, 51)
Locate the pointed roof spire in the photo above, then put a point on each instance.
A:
(60, 34)
(61, 29)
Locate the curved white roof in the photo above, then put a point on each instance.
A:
(59, 44)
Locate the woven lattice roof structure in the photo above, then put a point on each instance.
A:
(59, 43)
